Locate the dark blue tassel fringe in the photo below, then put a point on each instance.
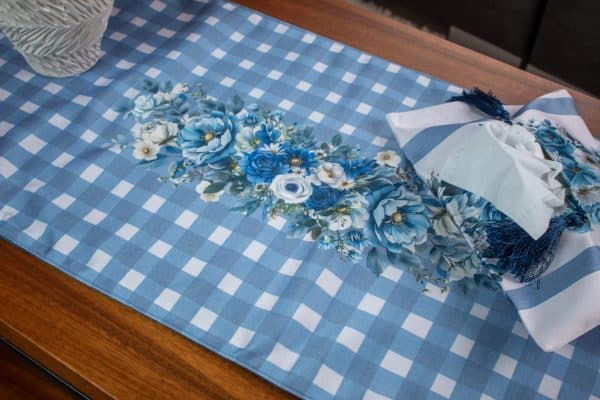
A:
(487, 103)
(519, 253)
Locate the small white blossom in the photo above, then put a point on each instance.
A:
(146, 151)
(274, 148)
(208, 197)
(158, 132)
(388, 158)
(332, 174)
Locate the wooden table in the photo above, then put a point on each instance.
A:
(107, 350)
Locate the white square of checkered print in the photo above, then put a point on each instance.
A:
(7, 212)
(32, 144)
(307, 317)
(329, 282)
(396, 363)
(7, 169)
(255, 250)
(229, 284)
(99, 260)
(34, 231)
(167, 299)
(204, 319)
(282, 357)
(266, 301)
(242, 337)
(350, 338)
(5, 127)
(328, 380)
(34, 185)
(132, 279)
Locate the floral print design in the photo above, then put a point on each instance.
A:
(367, 209)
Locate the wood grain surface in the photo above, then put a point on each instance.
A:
(21, 379)
(107, 350)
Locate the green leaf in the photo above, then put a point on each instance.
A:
(336, 140)
(372, 262)
(214, 187)
(236, 104)
(315, 233)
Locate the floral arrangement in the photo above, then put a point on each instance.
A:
(367, 209)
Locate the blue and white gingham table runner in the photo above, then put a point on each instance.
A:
(314, 325)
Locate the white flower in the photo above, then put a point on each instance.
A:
(179, 89)
(347, 184)
(331, 174)
(291, 188)
(274, 148)
(588, 195)
(146, 151)
(176, 91)
(388, 158)
(164, 132)
(444, 225)
(208, 197)
(158, 132)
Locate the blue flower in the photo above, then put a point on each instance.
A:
(262, 165)
(323, 197)
(267, 133)
(208, 138)
(399, 221)
(358, 168)
(578, 174)
(356, 238)
(277, 115)
(300, 158)
(143, 106)
(551, 140)
(251, 119)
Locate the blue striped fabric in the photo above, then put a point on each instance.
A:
(585, 263)
(303, 319)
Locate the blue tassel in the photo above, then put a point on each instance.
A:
(519, 253)
(487, 103)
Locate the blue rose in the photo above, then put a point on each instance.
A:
(267, 133)
(552, 141)
(143, 106)
(323, 197)
(577, 174)
(399, 220)
(208, 138)
(262, 165)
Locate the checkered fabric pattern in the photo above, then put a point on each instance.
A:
(301, 318)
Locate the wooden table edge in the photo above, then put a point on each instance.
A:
(309, 15)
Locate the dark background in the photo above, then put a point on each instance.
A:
(558, 39)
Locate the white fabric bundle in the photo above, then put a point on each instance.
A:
(507, 167)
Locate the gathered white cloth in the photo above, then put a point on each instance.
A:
(505, 166)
